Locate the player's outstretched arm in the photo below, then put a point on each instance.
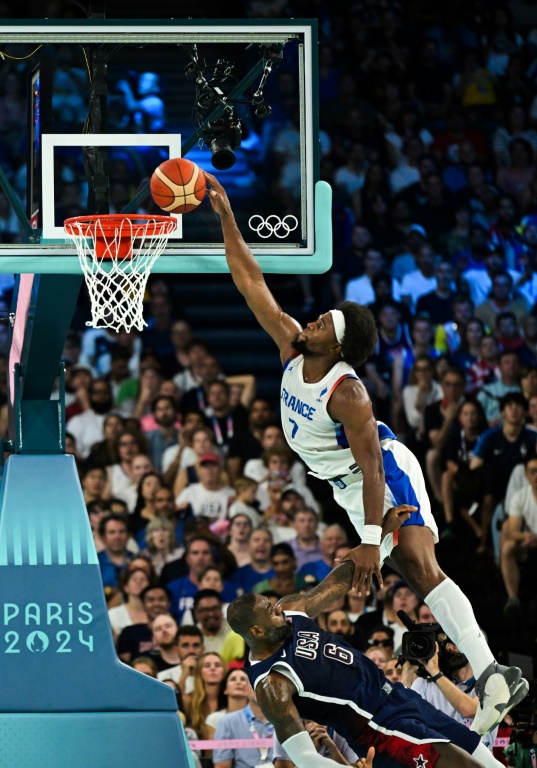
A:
(248, 277)
(275, 697)
(339, 580)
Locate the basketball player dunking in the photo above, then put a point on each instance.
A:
(328, 421)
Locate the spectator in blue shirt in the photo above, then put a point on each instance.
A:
(246, 723)
(199, 554)
(260, 568)
(114, 558)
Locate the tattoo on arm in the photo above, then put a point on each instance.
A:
(275, 697)
(335, 585)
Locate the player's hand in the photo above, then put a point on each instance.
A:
(395, 517)
(367, 762)
(366, 559)
(217, 195)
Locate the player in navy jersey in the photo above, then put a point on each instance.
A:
(328, 420)
(300, 671)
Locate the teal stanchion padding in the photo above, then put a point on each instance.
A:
(65, 697)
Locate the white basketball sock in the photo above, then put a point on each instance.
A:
(485, 756)
(453, 611)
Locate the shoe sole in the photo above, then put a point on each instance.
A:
(486, 726)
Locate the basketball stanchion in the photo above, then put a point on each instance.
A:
(116, 254)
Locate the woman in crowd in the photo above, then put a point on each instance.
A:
(207, 696)
(235, 689)
(132, 583)
(146, 665)
(182, 455)
(461, 486)
(104, 454)
(468, 352)
(120, 479)
(144, 510)
(161, 543)
(421, 391)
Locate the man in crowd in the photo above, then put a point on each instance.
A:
(164, 411)
(87, 427)
(189, 640)
(498, 451)
(208, 499)
(332, 538)
(259, 568)
(137, 639)
(247, 444)
(306, 544)
(207, 610)
(519, 537)
(490, 394)
(198, 556)
(165, 653)
(114, 558)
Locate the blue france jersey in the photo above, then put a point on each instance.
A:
(335, 682)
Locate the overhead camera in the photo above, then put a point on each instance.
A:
(222, 137)
(224, 134)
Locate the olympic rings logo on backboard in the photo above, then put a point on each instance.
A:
(265, 228)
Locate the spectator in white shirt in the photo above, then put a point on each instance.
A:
(87, 427)
(360, 289)
(519, 537)
(479, 281)
(422, 280)
(210, 497)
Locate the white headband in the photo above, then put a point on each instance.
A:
(338, 319)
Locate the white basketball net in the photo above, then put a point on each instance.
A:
(117, 278)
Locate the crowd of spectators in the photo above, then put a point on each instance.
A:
(429, 140)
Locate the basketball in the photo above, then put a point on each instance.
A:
(178, 185)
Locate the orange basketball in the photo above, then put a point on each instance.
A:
(178, 185)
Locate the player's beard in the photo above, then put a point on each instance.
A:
(301, 346)
(277, 635)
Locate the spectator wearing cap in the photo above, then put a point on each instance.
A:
(438, 304)
(306, 544)
(490, 395)
(208, 499)
(500, 449)
(422, 280)
(360, 289)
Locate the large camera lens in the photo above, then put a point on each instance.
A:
(223, 156)
(419, 646)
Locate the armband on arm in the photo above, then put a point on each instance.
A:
(302, 752)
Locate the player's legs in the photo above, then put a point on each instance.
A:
(498, 688)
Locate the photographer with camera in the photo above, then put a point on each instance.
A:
(442, 675)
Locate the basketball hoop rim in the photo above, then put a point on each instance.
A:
(111, 222)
